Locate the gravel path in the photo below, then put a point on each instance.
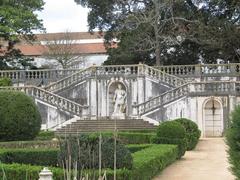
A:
(207, 162)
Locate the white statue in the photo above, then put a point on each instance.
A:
(119, 100)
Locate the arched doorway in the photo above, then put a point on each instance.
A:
(213, 118)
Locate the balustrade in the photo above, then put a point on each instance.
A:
(23, 75)
(50, 98)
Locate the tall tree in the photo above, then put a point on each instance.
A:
(209, 28)
(17, 20)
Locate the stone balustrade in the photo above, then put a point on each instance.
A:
(24, 75)
(215, 88)
(205, 70)
(53, 99)
(70, 80)
(163, 76)
(162, 99)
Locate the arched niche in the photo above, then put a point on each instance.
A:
(111, 92)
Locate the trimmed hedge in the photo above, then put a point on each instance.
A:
(149, 162)
(45, 135)
(172, 132)
(29, 144)
(233, 141)
(22, 171)
(5, 82)
(146, 164)
(42, 157)
(192, 132)
(19, 117)
(137, 147)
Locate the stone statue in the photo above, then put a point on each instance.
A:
(119, 100)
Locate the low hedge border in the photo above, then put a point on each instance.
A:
(41, 157)
(29, 144)
(137, 147)
(149, 162)
(22, 171)
(146, 164)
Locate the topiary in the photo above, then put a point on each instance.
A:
(233, 141)
(5, 82)
(84, 150)
(193, 133)
(19, 117)
(172, 132)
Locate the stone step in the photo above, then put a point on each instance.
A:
(105, 125)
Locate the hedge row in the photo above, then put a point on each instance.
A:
(29, 144)
(41, 157)
(45, 135)
(146, 164)
(137, 147)
(22, 171)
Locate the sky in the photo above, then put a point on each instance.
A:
(63, 15)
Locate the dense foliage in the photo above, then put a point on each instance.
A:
(192, 132)
(84, 150)
(233, 141)
(171, 32)
(20, 118)
(18, 20)
(172, 132)
(5, 82)
(41, 157)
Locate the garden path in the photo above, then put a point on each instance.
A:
(207, 162)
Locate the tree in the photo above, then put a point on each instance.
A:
(62, 48)
(18, 20)
(209, 28)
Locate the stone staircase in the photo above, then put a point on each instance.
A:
(83, 126)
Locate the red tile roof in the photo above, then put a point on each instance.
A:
(86, 48)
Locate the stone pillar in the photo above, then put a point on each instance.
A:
(45, 174)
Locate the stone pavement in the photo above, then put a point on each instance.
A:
(207, 162)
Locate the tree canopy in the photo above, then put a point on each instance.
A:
(167, 32)
(18, 19)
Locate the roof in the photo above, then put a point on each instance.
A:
(70, 35)
(86, 48)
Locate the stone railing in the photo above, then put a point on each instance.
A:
(100, 72)
(50, 98)
(215, 88)
(162, 76)
(70, 80)
(25, 75)
(162, 99)
(208, 70)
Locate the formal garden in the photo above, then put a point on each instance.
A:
(142, 154)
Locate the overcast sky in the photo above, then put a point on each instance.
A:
(62, 15)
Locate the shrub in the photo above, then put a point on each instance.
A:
(5, 82)
(43, 157)
(192, 132)
(45, 135)
(172, 132)
(150, 161)
(20, 119)
(233, 141)
(85, 149)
